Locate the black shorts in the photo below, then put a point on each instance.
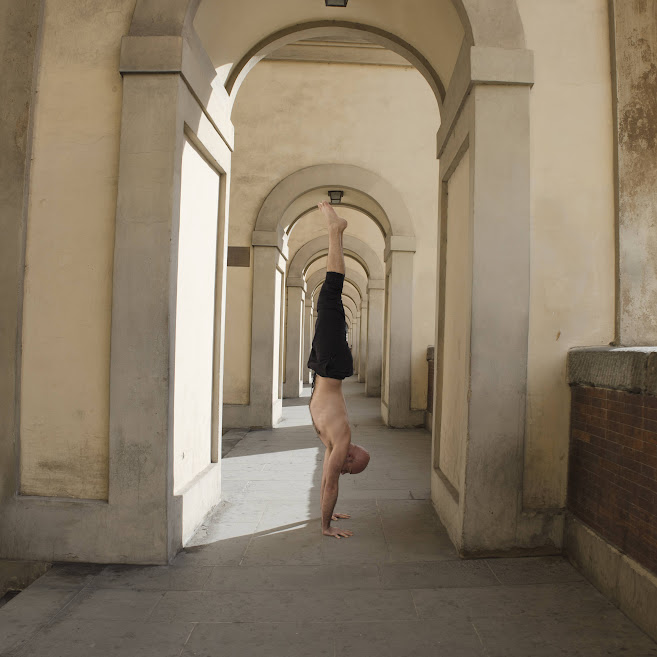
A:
(330, 355)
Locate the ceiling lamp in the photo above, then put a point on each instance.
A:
(336, 3)
(335, 194)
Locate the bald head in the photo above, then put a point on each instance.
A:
(356, 461)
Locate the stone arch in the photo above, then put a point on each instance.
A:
(352, 245)
(356, 279)
(496, 24)
(360, 340)
(163, 17)
(350, 304)
(371, 193)
(347, 293)
(315, 29)
(493, 97)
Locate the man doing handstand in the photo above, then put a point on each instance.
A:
(331, 362)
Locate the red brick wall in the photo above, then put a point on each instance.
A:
(612, 474)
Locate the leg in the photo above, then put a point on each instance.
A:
(336, 226)
(329, 296)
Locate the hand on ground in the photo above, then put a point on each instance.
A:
(337, 532)
(337, 516)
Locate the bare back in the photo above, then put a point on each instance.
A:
(328, 411)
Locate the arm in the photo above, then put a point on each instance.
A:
(329, 493)
(327, 456)
(335, 516)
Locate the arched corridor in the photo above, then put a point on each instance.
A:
(161, 262)
(257, 579)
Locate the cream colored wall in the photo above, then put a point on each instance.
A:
(194, 336)
(572, 223)
(458, 312)
(64, 410)
(290, 115)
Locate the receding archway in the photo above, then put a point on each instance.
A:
(360, 284)
(297, 289)
(481, 91)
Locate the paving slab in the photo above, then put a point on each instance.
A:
(293, 578)
(261, 640)
(457, 638)
(158, 578)
(437, 574)
(23, 616)
(106, 638)
(113, 604)
(534, 570)
(285, 606)
(538, 600)
(609, 634)
(258, 578)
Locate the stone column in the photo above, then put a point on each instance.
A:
(355, 336)
(485, 515)
(362, 353)
(374, 337)
(20, 26)
(264, 401)
(634, 44)
(296, 297)
(307, 339)
(500, 319)
(399, 261)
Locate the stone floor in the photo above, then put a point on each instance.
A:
(259, 579)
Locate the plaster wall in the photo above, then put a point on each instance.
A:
(458, 313)
(572, 222)
(195, 312)
(290, 115)
(64, 411)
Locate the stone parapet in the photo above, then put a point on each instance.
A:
(612, 473)
(632, 369)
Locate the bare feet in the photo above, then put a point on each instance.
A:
(333, 220)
